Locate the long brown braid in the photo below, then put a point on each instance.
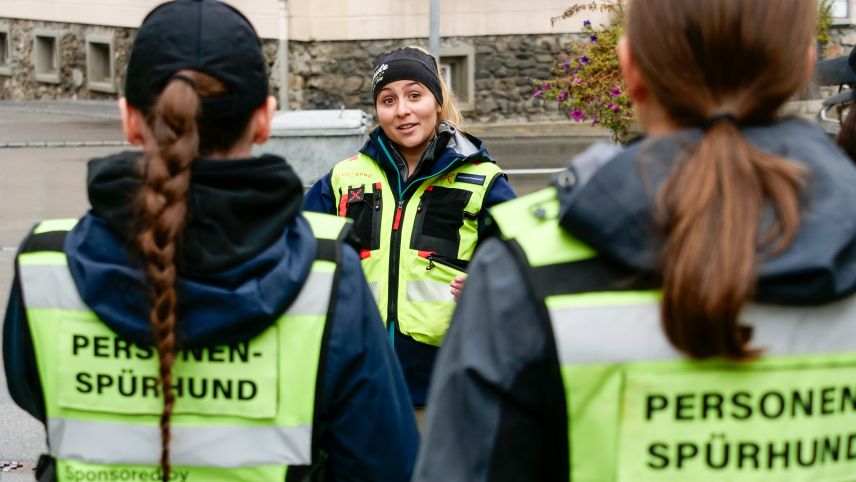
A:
(170, 150)
(179, 132)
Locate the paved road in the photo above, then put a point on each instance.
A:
(49, 182)
(35, 184)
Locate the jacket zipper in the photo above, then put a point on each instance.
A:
(434, 257)
(392, 305)
(394, 255)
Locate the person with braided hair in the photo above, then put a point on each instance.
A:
(195, 324)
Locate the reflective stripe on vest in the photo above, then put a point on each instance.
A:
(120, 443)
(89, 431)
(428, 291)
(432, 251)
(56, 289)
(638, 410)
(629, 324)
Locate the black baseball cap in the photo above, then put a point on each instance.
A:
(837, 71)
(204, 35)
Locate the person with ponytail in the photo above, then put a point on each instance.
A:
(418, 192)
(681, 308)
(195, 324)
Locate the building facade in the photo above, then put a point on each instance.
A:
(78, 49)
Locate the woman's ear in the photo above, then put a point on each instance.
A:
(636, 87)
(132, 122)
(261, 119)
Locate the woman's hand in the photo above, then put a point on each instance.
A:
(457, 285)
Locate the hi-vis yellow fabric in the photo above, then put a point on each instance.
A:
(242, 412)
(412, 250)
(638, 410)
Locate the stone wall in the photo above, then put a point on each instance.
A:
(336, 74)
(323, 75)
(22, 84)
(332, 75)
(842, 39)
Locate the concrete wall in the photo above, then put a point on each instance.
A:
(329, 19)
(400, 19)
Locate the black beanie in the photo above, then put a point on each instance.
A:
(406, 64)
(203, 35)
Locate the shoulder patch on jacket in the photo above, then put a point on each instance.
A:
(470, 178)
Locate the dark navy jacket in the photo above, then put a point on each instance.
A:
(245, 254)
(417, 359)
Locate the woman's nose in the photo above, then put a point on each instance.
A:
(402, 108)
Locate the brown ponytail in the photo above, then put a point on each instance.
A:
(715, 201)
(699, 60)
(163, 205)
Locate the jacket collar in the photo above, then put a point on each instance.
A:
(236, 207)
(450, 146)
(245, 250)
(610, 207)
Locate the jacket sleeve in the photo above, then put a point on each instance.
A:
(498, 192)
(19, 360)
(320, 198)
(496, 407)
(368, 427)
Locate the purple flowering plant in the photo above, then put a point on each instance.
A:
(587, 84)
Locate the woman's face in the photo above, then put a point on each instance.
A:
(408, 114)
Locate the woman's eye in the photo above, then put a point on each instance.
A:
(388, 100)
(415, 95)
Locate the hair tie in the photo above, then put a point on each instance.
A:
(184, 78)
(716, 119)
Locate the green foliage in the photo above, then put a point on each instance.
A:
(824, 21)
(588, 86)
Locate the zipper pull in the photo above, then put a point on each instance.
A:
(377, 196)
(397, 222)
(430, 262)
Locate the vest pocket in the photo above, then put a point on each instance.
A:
(435, 259)
(438, 222)
(365, 209)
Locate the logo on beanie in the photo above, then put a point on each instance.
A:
(377, 75)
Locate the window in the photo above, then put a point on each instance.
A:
(840, 11)
(457, 66)
(46, 53)
(100, 71)
(5, 51)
